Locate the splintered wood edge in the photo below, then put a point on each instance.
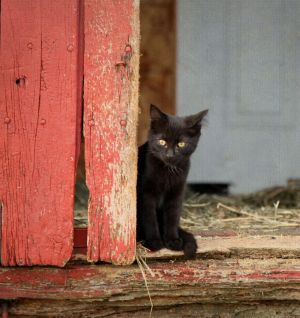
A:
(171, 282)
(242, 247)
(252, 247)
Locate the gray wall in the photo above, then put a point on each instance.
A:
(240, 59)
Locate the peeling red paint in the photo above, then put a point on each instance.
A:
(90, 282)
(40, 79)
(274, 274)
(110, 144)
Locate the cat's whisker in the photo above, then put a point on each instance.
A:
(170, 170)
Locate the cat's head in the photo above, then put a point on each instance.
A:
(173, 139)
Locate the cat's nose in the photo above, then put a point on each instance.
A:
(170, 153)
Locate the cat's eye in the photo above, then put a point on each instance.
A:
(181, 144)
(162, 142)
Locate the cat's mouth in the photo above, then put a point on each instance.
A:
(170, 162)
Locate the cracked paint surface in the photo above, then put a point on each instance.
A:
(187, 282)
(39, 77)
(111, 109)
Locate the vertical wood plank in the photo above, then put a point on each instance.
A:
(39, 77)
(110, 119)
(158, 60)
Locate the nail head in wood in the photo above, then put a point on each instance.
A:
(123, 122)
(70, 47)
(29, 45)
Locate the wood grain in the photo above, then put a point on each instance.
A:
(245, 275)
(39, 79)
(158, 60)
(199, 281)
(93, 309)
(110, 118)
(240, 247)
(218, 247)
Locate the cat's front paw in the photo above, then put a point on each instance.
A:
(190, 250)
(154, 245)
(174, 244)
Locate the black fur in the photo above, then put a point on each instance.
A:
(162, 173)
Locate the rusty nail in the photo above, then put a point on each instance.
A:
(123, 122)
(91, 122)
(70, 47)
(128, 48)
(43, 121)
(6, 120)
(30, 45)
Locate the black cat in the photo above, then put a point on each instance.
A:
(163, 167)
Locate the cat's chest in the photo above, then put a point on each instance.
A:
(165, 179)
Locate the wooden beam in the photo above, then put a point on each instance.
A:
(226, 281)
(239, 247)
(111, 63)
(40, 80)
(158, 60)
(222, 245)
(96, 309)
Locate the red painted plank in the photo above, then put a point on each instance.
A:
(201, 280)
(110, 111)
(40, 74)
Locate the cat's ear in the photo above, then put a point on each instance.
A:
(194, 122)
(156, 114)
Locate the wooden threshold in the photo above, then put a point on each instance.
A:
(215, 245)
(231, 273)
(186, 281)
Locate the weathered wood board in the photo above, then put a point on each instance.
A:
(239, 247)
(110, 118)
(96, 309)
(40, 98)
(214, 281)
(244, 275)
(158, 60)
(219, 247)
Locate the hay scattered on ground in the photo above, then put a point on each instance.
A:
(272, 210)
(268, 211)
(145, 269)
